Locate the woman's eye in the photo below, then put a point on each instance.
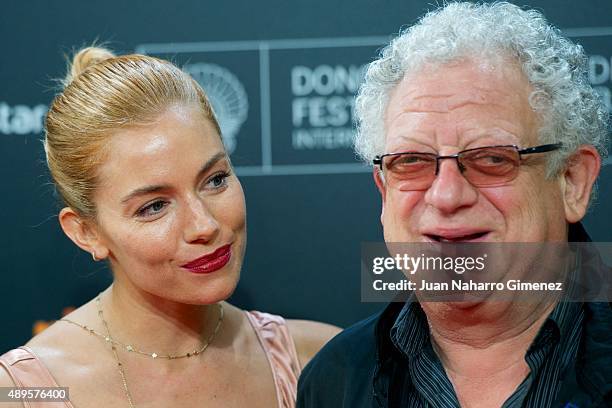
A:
(219, 180)
(152, 209)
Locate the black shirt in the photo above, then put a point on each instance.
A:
(427, 385)
(373, 364)
(362, 367)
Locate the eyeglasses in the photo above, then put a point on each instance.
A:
(482, 166)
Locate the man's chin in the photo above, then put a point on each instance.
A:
(467, 313)
(467, 305)
(459, 301)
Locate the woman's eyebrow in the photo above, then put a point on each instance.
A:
(211, 162)
(160, 187)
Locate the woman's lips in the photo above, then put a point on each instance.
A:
(210, 262)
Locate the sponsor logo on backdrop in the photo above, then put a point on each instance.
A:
(302, 97)
(600, 76)
(298, 115)
(227, 96)
(21, 119)
(323, 105)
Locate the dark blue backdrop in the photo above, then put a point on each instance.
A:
(285, 73)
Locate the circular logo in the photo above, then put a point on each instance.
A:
(226, 94)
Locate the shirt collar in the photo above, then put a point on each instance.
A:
(410, 331)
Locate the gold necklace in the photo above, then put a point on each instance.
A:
(132, 349)
(128, 394)
(109, 339)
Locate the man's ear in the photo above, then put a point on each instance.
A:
(578, 179)
(380, 184)
(83, 233)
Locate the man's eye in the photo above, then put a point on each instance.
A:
(411, 160)
(492, 159)
(154, 208)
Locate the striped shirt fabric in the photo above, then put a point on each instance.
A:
(427, 385)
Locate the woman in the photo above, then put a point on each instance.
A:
(136, 154)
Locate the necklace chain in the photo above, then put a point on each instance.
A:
(130, 348)
(128, 394)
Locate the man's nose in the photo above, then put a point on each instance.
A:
(200, 222)
(450, 190)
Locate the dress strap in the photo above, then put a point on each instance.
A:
(277, 343)
(26, 370)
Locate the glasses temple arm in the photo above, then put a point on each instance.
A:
(377, 161)
(541, 149)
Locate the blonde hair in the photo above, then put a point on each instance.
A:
(103, 93)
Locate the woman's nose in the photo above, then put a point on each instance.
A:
(200, 222)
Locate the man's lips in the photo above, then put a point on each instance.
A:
(456, 235)
(210, 262)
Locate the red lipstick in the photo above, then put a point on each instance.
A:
(210, 262)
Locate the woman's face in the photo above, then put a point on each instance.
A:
(171, 213)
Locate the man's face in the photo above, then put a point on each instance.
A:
(458, 106)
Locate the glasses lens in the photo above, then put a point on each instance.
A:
(410, 171)
(490, 166)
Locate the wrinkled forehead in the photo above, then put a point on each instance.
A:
(466, 97)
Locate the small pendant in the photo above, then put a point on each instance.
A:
(129, 348)
(154, 355)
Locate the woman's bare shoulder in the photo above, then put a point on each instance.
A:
(6, 381)
(65, 346)
(310, 337)
(57, 348)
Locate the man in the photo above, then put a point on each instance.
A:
(467, 77)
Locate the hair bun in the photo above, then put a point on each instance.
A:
(85, 58)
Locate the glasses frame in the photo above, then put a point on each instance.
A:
(378, 160)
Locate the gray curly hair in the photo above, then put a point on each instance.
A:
(571, 111)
